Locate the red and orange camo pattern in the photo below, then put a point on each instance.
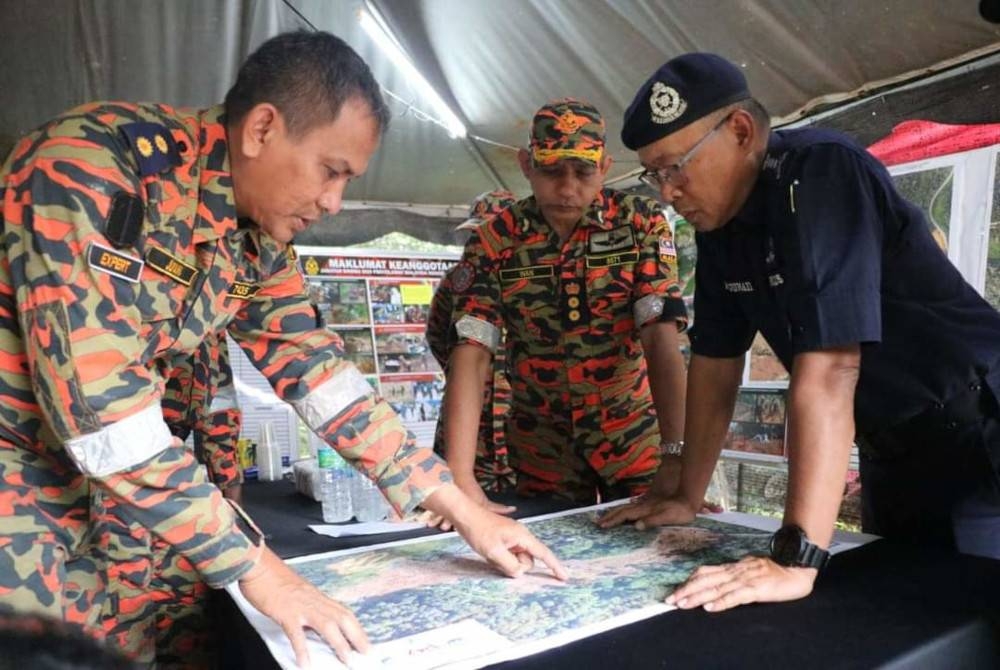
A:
(582, 422)
(200, 397)
(158, 604)
(491, 468)
(82, 333)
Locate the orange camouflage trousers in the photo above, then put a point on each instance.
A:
(102, 572)
(155, 611)
(615, 458)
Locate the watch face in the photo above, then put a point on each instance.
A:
(786, 545)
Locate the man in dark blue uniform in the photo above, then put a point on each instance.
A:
(803, 237)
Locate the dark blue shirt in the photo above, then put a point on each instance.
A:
(826, 253)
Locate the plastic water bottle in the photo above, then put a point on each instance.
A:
(335, 476)
(369, 503)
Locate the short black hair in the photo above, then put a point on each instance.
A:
(308, 76)
(39, 642)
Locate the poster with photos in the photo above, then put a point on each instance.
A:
(758, 424)
(378, 303)
(416, 398)
(401, 301)
(341, 302)
(358, 347)
(403, 350)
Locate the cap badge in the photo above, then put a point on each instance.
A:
(666, 103)
(569, 123)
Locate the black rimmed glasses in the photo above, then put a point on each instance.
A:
(673, 175)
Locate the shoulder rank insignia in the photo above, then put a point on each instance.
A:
(114, 263)
(171, 266)
(152, 146)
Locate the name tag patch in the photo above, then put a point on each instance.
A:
(738, 286)
(113, 262)
(171, 266)
(611, 260)
(603, 241)
(242, 290)
(531, 272)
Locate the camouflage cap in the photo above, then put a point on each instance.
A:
(567, 129)
(486, 206)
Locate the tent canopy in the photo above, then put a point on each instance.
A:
(495, 63)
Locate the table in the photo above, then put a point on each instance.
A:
(885, 604)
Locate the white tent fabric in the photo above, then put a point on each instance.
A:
(494, 61)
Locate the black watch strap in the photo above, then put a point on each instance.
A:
(790, 547)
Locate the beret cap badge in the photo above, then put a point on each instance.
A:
(666, 103)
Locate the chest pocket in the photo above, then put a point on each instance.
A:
(610, 280)
(168, 282)
(530, 304)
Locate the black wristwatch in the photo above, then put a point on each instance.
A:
(791, 547)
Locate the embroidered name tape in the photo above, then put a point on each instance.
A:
(171, 266)
(531, 272)
(612, 259)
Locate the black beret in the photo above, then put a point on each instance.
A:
(682, 91)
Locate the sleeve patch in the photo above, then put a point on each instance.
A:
(462, 277)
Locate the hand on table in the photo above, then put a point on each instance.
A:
(503, 542)
(750, 580)
(648, 511)
(506, 544)
(295, 604)
(659, 506)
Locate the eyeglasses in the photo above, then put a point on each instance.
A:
(673, 175)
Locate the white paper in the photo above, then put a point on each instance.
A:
(367, 528)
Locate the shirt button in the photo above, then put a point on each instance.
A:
(974, 386)
(574, 315)
(573, 301)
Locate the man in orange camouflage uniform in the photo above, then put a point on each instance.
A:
(584, 280)
(133, 232)
(491, 469)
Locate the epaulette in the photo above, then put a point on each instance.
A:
(153, 147)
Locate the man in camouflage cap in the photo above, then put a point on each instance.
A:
(491, 468)
(133, 232)
(584, 282)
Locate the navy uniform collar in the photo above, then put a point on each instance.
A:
(772, 170)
